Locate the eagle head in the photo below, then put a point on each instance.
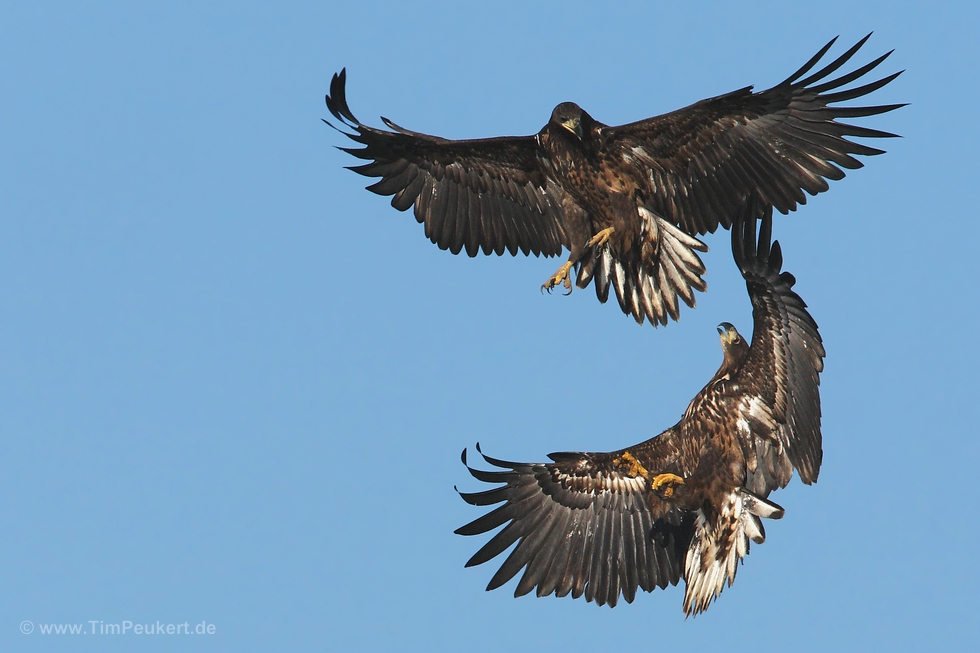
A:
(729, 334)
(734, 347)
(569, 115)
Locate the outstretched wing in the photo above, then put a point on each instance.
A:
(781, 375)
(491, 194)
(583, 525)
(705, 159)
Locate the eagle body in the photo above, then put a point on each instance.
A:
(626, 201)
(688, 502)
(593, 176)
(607, 196)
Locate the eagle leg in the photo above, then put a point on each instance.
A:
(670, 480)
(559, 277)
(601, 238)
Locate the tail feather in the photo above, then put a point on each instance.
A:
(648, 285)
(719, 544)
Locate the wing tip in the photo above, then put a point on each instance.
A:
(336, 100)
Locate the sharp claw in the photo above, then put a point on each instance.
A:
(600, 238)
(670, 480)
(560, 276)
(631, 465)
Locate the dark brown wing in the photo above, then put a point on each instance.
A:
(705, 159)
(782, 370)
(490, 194)
(582, 525)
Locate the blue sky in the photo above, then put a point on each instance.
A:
(235, 385)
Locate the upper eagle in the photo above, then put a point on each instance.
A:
(626, 201)
(687, 501)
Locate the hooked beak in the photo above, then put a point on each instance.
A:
(727, 332)
(573, 125)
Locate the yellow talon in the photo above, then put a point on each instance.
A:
(600, 238)
(670, 480)
(631, 465)
(560, 277)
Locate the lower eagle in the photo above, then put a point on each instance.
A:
(688, 502)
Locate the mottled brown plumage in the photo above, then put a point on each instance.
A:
(626, 201)
(688, 501)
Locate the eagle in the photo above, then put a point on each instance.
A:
(626, 201)
(689, 501)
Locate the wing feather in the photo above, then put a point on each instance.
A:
(782, 370)
(503, 175)
(726, 148)
(580, 525)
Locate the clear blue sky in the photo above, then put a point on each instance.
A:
(235, 385)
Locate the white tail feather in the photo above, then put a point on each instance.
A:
(649, 287)
(720, 544)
